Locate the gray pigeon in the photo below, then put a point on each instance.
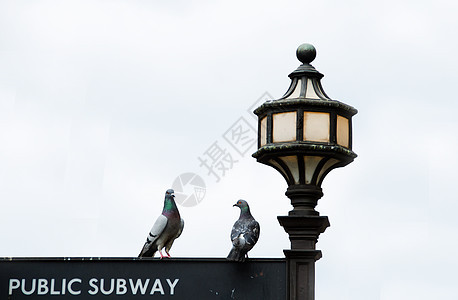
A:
(166, 229)
(245, 233)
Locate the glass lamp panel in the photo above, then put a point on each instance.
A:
(343, 131)
(263, 131)
(310, 163)
(280, 168)
(316, 126)
(284, 127)
(329, 164)
(310, 93)
(297, 90)
(291, 162)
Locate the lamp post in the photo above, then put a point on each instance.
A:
(304, 135)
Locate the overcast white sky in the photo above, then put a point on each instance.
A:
(104, 103)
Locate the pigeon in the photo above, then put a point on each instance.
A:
(245, 233)
(166, 229)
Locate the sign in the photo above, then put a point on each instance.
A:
(141, 278)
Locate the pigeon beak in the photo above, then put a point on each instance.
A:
(234, 205)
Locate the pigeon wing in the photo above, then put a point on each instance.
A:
(252, 232)
(157, 228)
(150, 247)
(237, 229)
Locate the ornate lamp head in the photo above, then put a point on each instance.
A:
(305, 134)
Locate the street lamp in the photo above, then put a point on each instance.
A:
(304, 135)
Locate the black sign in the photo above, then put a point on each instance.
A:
(141, 278)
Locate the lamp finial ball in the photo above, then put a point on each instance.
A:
(306, 53)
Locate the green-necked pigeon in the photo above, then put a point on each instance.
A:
(166, 229)
(245, 233)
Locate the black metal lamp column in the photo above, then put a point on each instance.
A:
(304, 135)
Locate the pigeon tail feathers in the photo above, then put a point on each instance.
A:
(236, 254)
